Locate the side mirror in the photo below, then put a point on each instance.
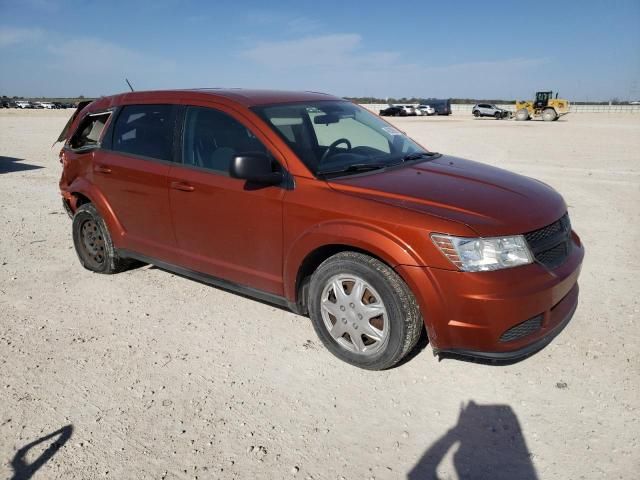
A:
(254, 167)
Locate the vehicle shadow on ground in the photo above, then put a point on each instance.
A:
(219, 287)
(421, 345)
(12, 164)
(490, 445)
(23, 470)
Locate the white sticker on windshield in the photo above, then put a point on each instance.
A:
(392, 131)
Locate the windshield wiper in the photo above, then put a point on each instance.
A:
(419, 155)
(356, 167)
(364, 167)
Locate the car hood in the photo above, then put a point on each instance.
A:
(489, 200)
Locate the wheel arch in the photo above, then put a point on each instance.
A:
(312, 261)
(81, 192)
(313, 248)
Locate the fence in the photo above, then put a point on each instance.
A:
(466, 108)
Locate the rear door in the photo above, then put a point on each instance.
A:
(131, 172)
(225, 227)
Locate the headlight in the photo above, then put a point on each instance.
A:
(483, 254)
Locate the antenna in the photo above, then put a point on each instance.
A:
(129, 83)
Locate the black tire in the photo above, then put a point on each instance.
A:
(476, 113)
(497, 115)
(404, 321)
(93, 244)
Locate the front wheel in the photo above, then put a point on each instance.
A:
(362, 311)
(522, 114)
(549, 115)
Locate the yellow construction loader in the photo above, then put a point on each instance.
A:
(544, 106)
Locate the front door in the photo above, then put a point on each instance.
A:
(224, 226)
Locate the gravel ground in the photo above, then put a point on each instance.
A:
(149, 375)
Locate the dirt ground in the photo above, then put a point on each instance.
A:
(149, 375)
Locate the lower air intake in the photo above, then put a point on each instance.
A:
(522, 329)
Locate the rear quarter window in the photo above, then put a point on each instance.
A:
(145, 130)
(89, 131)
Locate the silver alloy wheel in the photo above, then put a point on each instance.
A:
(354, 315)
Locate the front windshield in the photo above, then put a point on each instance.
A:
(335, 136)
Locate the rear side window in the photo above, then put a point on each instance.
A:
(145, 130)
(89, 132)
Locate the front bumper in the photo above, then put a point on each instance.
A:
(467, 313)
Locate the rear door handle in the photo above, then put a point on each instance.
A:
(102, 169)
(185, 187)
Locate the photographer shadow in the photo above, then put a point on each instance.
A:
(490, 445)
(23, 470)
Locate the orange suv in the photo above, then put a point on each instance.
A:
(310, 202)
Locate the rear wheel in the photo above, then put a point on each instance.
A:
(362, 311)
(549, 115)
(522, 114)
(476, 113)
(93, 243)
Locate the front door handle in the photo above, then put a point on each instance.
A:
(185, 187)
(102, 169)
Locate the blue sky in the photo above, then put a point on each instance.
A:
(586, 50)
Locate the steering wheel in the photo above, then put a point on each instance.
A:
(329, 151)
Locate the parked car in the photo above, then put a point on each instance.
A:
(311, 202)
(393, 111)
(489, 110)
(425, 110)
(23, 104)
(409, 110)
(441, 106)
(47, 105)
